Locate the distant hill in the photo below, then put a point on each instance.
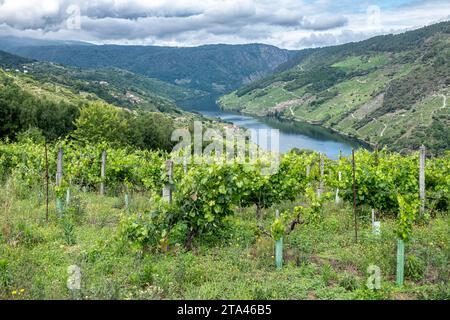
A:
(114, 86)
(8, 60)
(211, 68)
(75, 91)
(41, 98)
(390, 90)
(8, 43)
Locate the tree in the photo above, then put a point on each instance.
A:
(102, 123)
(152, 130)
(20, 111)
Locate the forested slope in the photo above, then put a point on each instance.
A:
(211, 68)
(44, 100)
(390, 90)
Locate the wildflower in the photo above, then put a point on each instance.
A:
(22, 290)
(14, 292)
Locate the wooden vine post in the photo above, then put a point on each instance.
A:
(279, 249)
(400, 261)
(422, 180)
(322, 169)
(68, 197)
(376, 154)
(103, 174)
(46, 182)
(354, 194)
(59, 176)
(376, 225)
(126, 199)
(185, 169)
(167, 191)
(338, 200)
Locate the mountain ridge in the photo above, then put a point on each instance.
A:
(212, 68)
(41, 100)
(386, 90)
(114, 86)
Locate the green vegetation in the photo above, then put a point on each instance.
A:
(390, 90)
(37, 109)
(119, 87)
(12, 61)
(213, 237)
(208, 244)
(116, 86)
(20, 110)
(51, 115)
(362, 63)
(211, 68)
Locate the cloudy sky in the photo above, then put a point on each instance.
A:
(292, 24)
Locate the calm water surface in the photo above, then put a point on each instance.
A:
(292, 135)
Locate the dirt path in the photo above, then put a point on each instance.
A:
(293, 95)
(290, 93)
(353, 116)
(384, 129)
(444, 103)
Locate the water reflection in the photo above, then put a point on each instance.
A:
(292, 134)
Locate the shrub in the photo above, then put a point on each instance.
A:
(328, 274)
(414, 268)
(436, 292)
(348, 281)
(5, 277)
(68, 229)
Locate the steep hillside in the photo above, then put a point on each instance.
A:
(38, 106)
(114, 86)
(10, 42)
(390, 90)
(49, 97)
(43, 100)
(212, 68)
(11, 61)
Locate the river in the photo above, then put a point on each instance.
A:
(292, 134)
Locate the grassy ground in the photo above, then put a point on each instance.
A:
(322, 261)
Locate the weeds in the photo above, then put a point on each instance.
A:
(321, 261)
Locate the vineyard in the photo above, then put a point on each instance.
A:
(141, 225)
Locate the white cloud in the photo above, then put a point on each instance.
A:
(28, 14)
(287, 23)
